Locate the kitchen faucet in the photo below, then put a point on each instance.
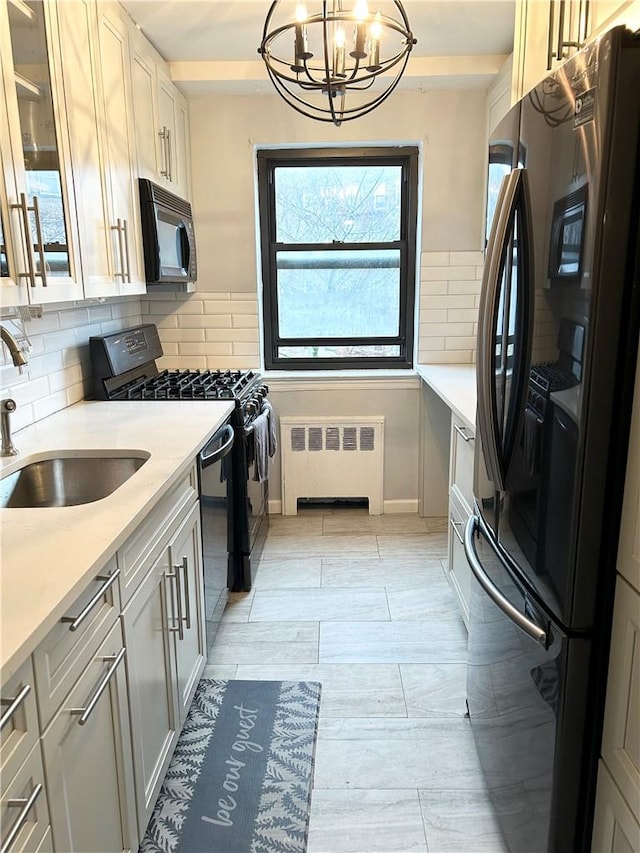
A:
(17, 356)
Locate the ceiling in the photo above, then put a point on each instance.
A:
(212, 45)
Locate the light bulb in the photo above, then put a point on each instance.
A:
(376, 27)
(361, 10)
(301, 13)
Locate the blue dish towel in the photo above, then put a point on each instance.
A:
(265, 442)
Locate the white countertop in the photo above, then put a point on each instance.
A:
(50, 554)
(455, 384)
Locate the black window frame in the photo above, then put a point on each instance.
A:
(268, 160)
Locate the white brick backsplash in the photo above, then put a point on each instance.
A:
(448, 329)
(235, 335)
(200, 321)
(447, 301)
(463, 259)
(464, 287)
(245, 321)
(434, 259)
(450, 285)
(208, 348)
(462, 315)
(238, 306)
(434, 288)
(245, 294)
(58, 372)
(179, 335)
(448, 273)
(246, 349)
(451, 357)
(77, 317)
(427, 343)
(178, 362)
(460, 343)
(437, 315)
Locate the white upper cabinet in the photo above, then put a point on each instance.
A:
(162, 120)
(40, 256)
(119, 121)
(549, 31)
(102, 146)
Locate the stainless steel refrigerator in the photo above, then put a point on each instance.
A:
(557, 345)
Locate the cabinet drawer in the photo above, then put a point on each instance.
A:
(25, 823)
(20, 723)
(461, 472)
(86, 751)
(61, 658)
(146, 544)
(459, 573)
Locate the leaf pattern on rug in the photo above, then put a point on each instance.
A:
(283, 815)
(163, 832)
(282, 822)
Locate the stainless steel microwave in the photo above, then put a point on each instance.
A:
(168, 237)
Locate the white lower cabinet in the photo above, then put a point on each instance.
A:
(164, 634)
(87, 757)
(458, 571)
(460, 508)
(190, 644)
(89, 722)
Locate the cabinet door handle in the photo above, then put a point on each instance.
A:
(40, 242)
(164, 136)
(127, 257)
(118, 229)
(79, 619)
(24, 209)
(179, 628)
(454, 527)
(85, 713)
(187, 603)
(462, 432)
(13, 704)
(26, 804)
(169, 155)
(550, 36)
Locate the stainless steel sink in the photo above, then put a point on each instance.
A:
(68, 479)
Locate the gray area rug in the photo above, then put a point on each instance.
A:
(241, 775)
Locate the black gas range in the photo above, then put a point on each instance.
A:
(124, 368)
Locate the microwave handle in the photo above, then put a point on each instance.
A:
(186, 246)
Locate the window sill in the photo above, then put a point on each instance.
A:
(320, 380)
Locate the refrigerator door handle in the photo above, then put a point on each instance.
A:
(487, 414)
(530, 628)
(513, 192)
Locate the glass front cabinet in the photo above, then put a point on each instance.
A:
(39, 259)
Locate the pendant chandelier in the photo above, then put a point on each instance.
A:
(337, 61)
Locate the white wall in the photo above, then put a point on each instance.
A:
(218, 325)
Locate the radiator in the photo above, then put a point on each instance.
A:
(327, 457)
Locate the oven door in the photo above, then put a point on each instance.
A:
(216, 510)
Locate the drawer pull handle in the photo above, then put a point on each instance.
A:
(13, 703)
(78, 620)
(462, 432)
(187, 603)
(85, 713)
(26, 804)
(454, 527)
(179, 628)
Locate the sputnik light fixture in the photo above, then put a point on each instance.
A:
(335, 60)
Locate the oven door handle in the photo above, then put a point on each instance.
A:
(207, 459)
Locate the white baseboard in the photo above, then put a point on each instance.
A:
(402, 505)
(389, 507)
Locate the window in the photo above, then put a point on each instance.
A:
(338, 240)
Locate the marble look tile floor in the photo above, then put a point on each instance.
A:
(361, 604)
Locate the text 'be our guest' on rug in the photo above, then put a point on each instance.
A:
(241, 775)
